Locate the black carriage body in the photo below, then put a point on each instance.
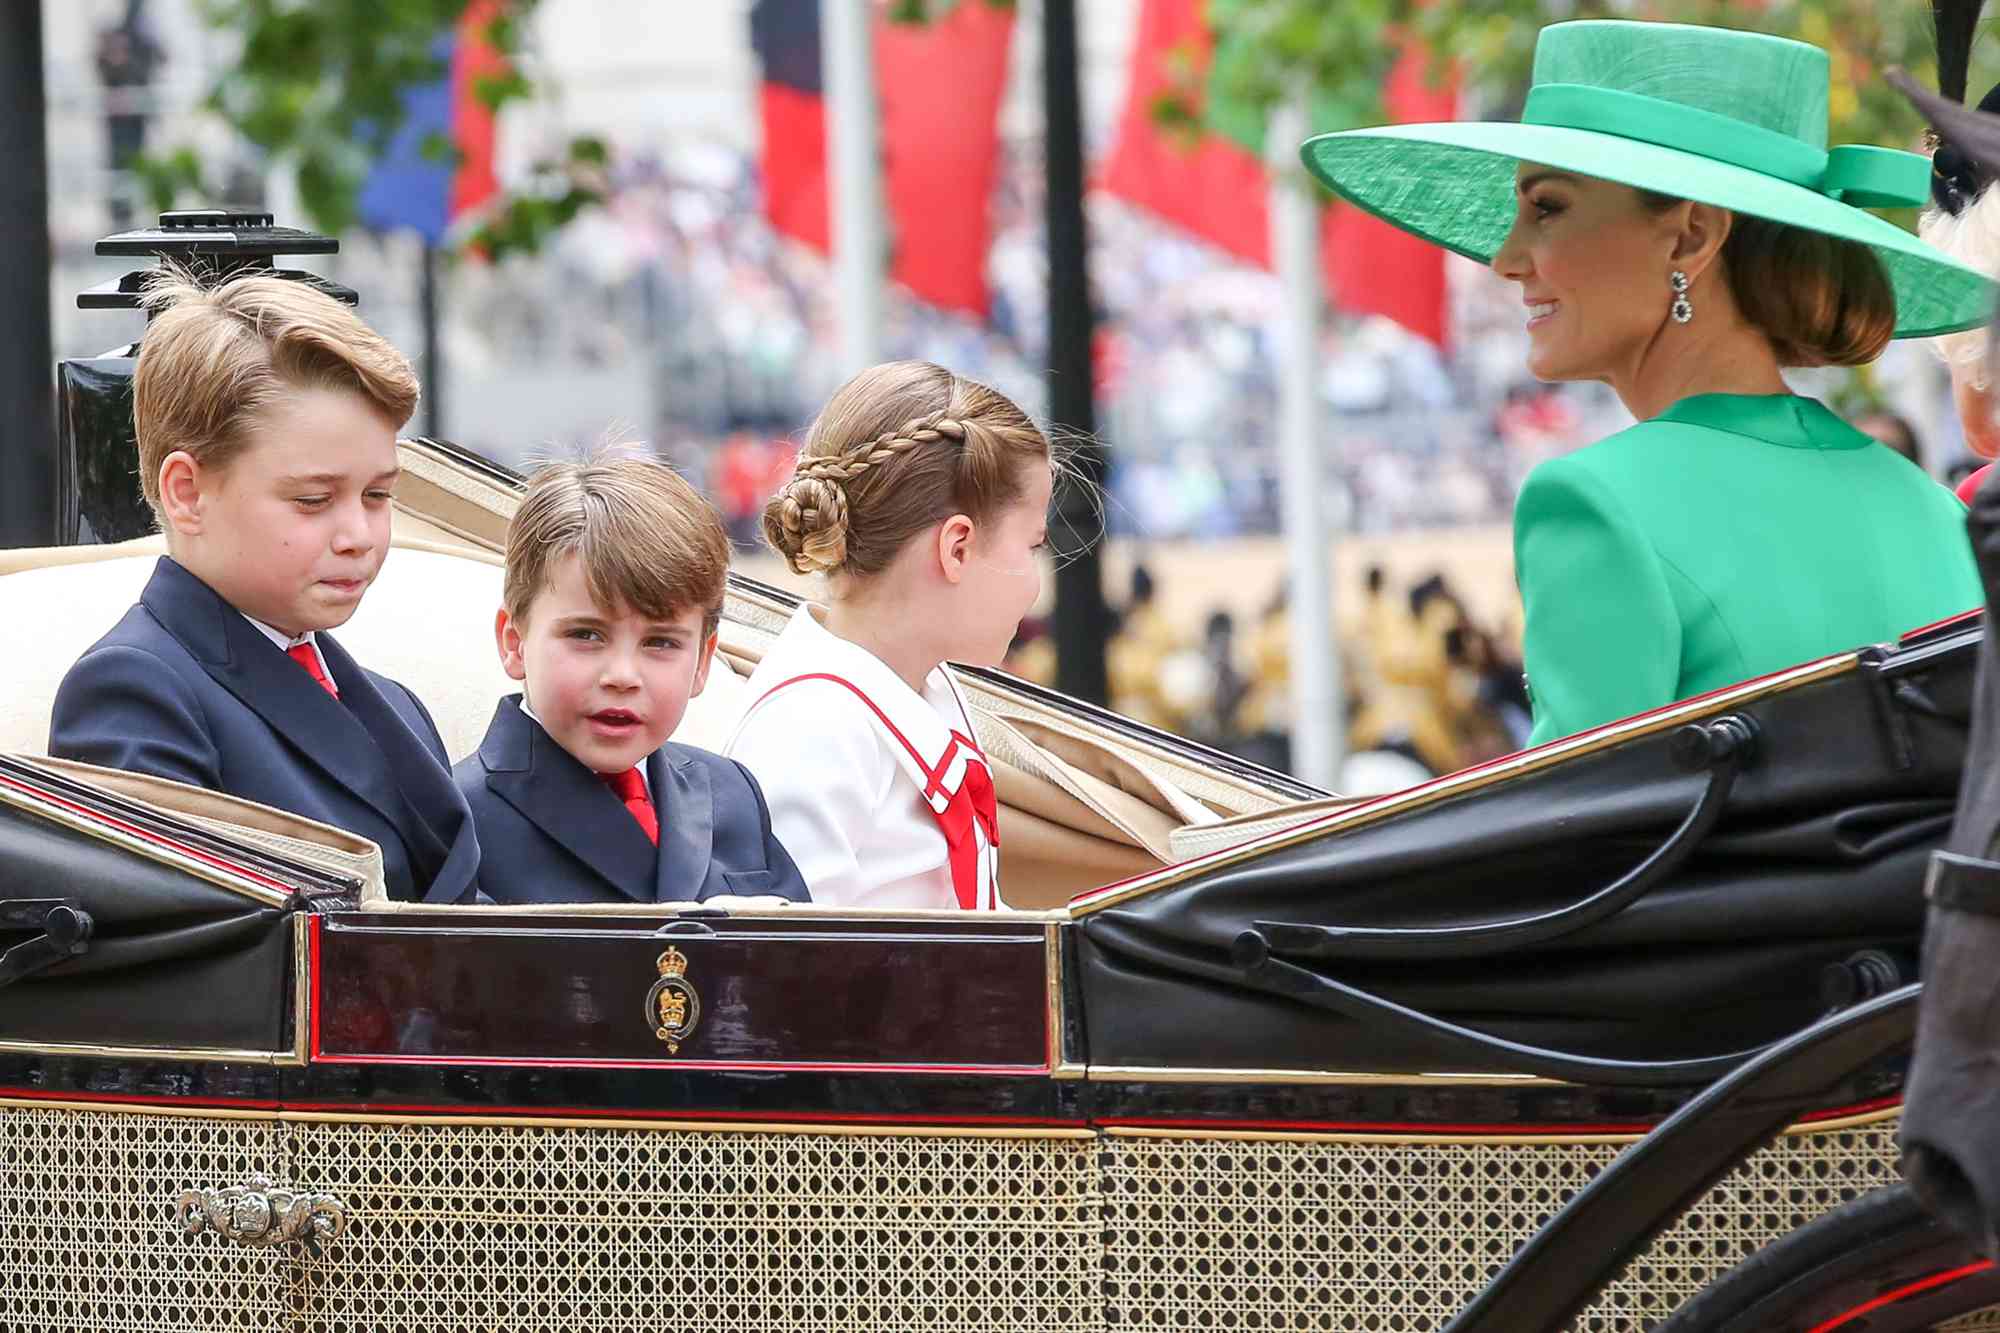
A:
(1088, 1118)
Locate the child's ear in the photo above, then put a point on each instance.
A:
(707, 660)
(507, 637)
(180, 493)
(954, 546)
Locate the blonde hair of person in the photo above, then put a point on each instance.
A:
(899, 447)
(1972, 237)
(214, 358)
(645, 539)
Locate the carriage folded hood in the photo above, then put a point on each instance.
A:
(1818, 855)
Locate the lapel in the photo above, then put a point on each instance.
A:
(686, 805)
(568, 802)
(340, 737)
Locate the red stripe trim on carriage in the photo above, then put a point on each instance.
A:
(830, 1117)
(155, 839)
(318, 1056)
(460, 1110)
(1902, 1293)
(1963, 617)
(145, 1099)
(669, 1064)
(1432, 1127)
(312, 987)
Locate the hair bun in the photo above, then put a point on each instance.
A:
(806, 523)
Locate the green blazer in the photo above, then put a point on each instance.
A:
(1730, 536)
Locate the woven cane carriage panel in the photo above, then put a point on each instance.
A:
(1321, 1234)
(1777, 1190)
(499, 1227)
(1284, 1234)
(89, 1240)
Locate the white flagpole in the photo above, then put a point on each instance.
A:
(1318, 730)
(854, 150)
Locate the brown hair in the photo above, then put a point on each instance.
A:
(645, 538)
(897, 448)
(214, 358)
(1821, 300)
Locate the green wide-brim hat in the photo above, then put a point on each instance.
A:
(1733, 119)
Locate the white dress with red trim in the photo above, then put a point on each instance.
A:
(880, 794)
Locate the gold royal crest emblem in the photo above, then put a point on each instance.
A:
(672, 1007)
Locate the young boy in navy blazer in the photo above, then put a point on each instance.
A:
(615, 577)
(266, 415)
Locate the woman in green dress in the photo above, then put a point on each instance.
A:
(1680, 231)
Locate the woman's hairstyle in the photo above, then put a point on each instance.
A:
(1821, 300)
(215, 358)
(897, 448)
(645, 539)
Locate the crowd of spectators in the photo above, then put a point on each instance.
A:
(732, 327)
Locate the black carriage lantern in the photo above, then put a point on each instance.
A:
(97, 494)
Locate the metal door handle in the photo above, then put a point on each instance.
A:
(259, 1213)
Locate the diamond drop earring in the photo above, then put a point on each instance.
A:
(1683, 310)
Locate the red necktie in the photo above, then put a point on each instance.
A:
(630, 788)
(308, 657)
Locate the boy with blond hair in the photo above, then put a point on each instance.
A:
(266, 415)
(616, 570)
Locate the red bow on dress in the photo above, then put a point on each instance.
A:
(973, 804)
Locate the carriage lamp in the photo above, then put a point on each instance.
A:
(97, 496)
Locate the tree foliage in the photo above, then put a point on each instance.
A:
(319, 86)
(1343, 52)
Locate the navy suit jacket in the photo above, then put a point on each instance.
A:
(185, 688)
(553, 832)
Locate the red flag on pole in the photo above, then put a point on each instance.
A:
(1196, 179)
(1211, 185)
(1372, 267)
(939, 86)
(473, 58)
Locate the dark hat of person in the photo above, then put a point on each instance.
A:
(1963, 163)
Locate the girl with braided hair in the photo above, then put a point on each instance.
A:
(922, 499)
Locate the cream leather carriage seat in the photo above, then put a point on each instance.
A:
(427, 622)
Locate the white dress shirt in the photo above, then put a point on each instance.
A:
(287, 642)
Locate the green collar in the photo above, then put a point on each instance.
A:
(1782, 419)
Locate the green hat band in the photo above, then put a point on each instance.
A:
(1858, 174)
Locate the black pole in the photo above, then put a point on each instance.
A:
(433, 363)
(27, 385)
(1081, 623)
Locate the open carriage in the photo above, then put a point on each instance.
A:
(1598, 1036)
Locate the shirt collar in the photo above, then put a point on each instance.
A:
(286, 642)
(529, 713)
(926, 720)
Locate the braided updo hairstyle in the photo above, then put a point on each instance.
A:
(899, 447)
